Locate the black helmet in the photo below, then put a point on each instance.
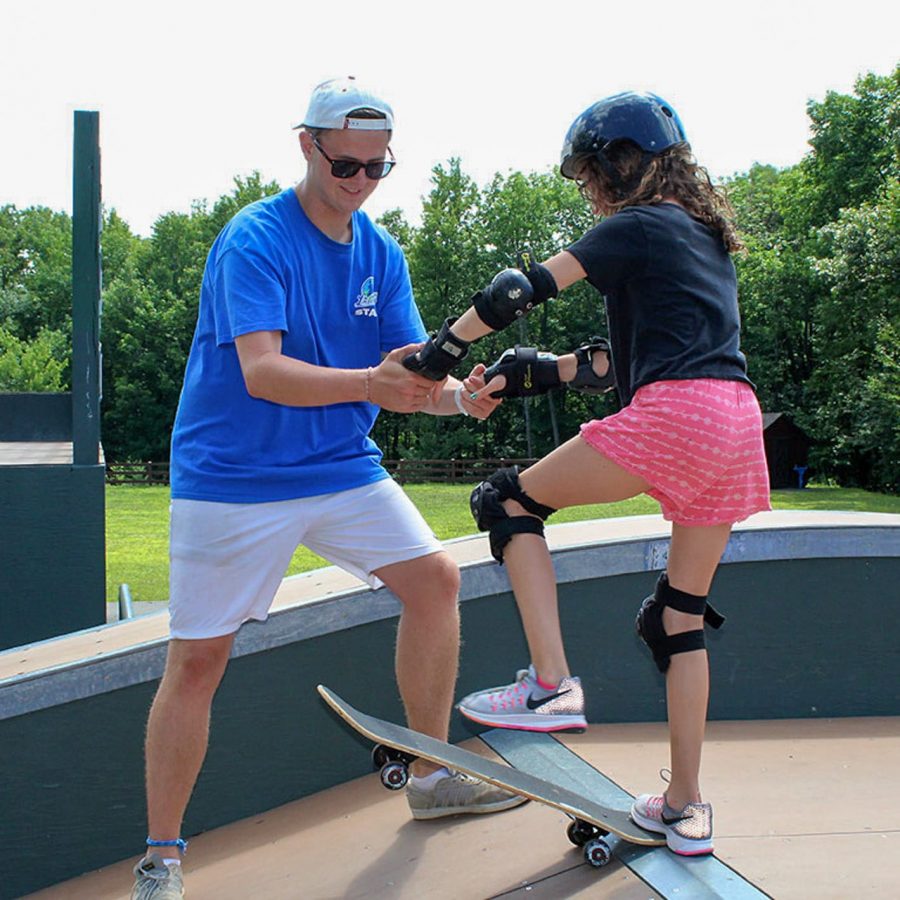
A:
(643, 118)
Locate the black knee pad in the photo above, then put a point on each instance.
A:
(486, 503)
(649, 622)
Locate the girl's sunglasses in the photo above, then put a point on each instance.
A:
(347, 168)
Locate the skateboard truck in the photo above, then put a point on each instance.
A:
(597, 852)
(393, 765)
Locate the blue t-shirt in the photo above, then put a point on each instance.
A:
(337, 305)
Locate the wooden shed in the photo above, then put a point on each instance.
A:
(787, 447)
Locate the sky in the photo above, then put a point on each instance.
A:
(193, 93)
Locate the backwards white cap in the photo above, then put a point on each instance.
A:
(334, 102)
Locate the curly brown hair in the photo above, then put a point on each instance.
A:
(635, 178)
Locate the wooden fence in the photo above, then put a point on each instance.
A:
(404, 471)
(448, 471)
(137, 473)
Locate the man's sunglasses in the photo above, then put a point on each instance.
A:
(347, 168)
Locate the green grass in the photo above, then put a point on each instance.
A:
(137, 522)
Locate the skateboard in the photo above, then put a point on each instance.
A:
(397, 747)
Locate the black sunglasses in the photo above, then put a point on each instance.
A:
(347, 168)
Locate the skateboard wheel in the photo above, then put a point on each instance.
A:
(394, 775)
(597, 853)
(580, 832)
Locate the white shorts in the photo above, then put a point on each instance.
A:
(228, 559)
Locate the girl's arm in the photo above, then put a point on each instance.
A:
(564, 268)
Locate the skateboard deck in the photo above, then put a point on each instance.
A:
(397, 746)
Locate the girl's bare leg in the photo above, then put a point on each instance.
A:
(576, 474)
(693, 557)
(573, 474)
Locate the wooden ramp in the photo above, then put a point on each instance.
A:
(804, 808)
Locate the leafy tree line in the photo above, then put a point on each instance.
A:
(819, 296)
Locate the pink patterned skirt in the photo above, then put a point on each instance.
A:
(697, 442)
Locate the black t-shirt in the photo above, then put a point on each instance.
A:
(671, 296)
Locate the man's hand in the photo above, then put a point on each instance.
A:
(394, 387)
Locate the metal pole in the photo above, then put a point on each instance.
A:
(126, 607)
(523, 340)
(553, 423)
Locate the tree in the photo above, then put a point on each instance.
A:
(543, 213)
(150, 311)
(246, 190)
(818, 288)
(816, 282)
(855, 389)
(856, 142)
(443, 256)
(467, 235)
(394, 222)
(35, 270)
(34, 365)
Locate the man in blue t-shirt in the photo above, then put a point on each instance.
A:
(306, 315)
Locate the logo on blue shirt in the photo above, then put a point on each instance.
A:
(367, 299)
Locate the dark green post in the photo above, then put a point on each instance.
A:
(52, 529)
(86, 290)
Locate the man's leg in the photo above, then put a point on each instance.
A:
(178, 729)
(427, 653)
(426, 661)
(369, 531)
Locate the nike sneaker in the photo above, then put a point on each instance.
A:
(688, 831)
(528, 706)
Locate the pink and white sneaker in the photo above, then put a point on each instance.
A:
(688, 832)
(528, 706)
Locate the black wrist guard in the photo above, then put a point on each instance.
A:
(527, 372)
(507, 297)
(440, 355)
(586, 380)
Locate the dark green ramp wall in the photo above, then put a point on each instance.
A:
(804, 637)
(52, 551)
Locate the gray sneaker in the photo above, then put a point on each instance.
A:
(527, 706)
(154, 880)
(456, 794)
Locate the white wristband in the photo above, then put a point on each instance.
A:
(457, 396)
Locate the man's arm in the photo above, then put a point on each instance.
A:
(270, 375)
